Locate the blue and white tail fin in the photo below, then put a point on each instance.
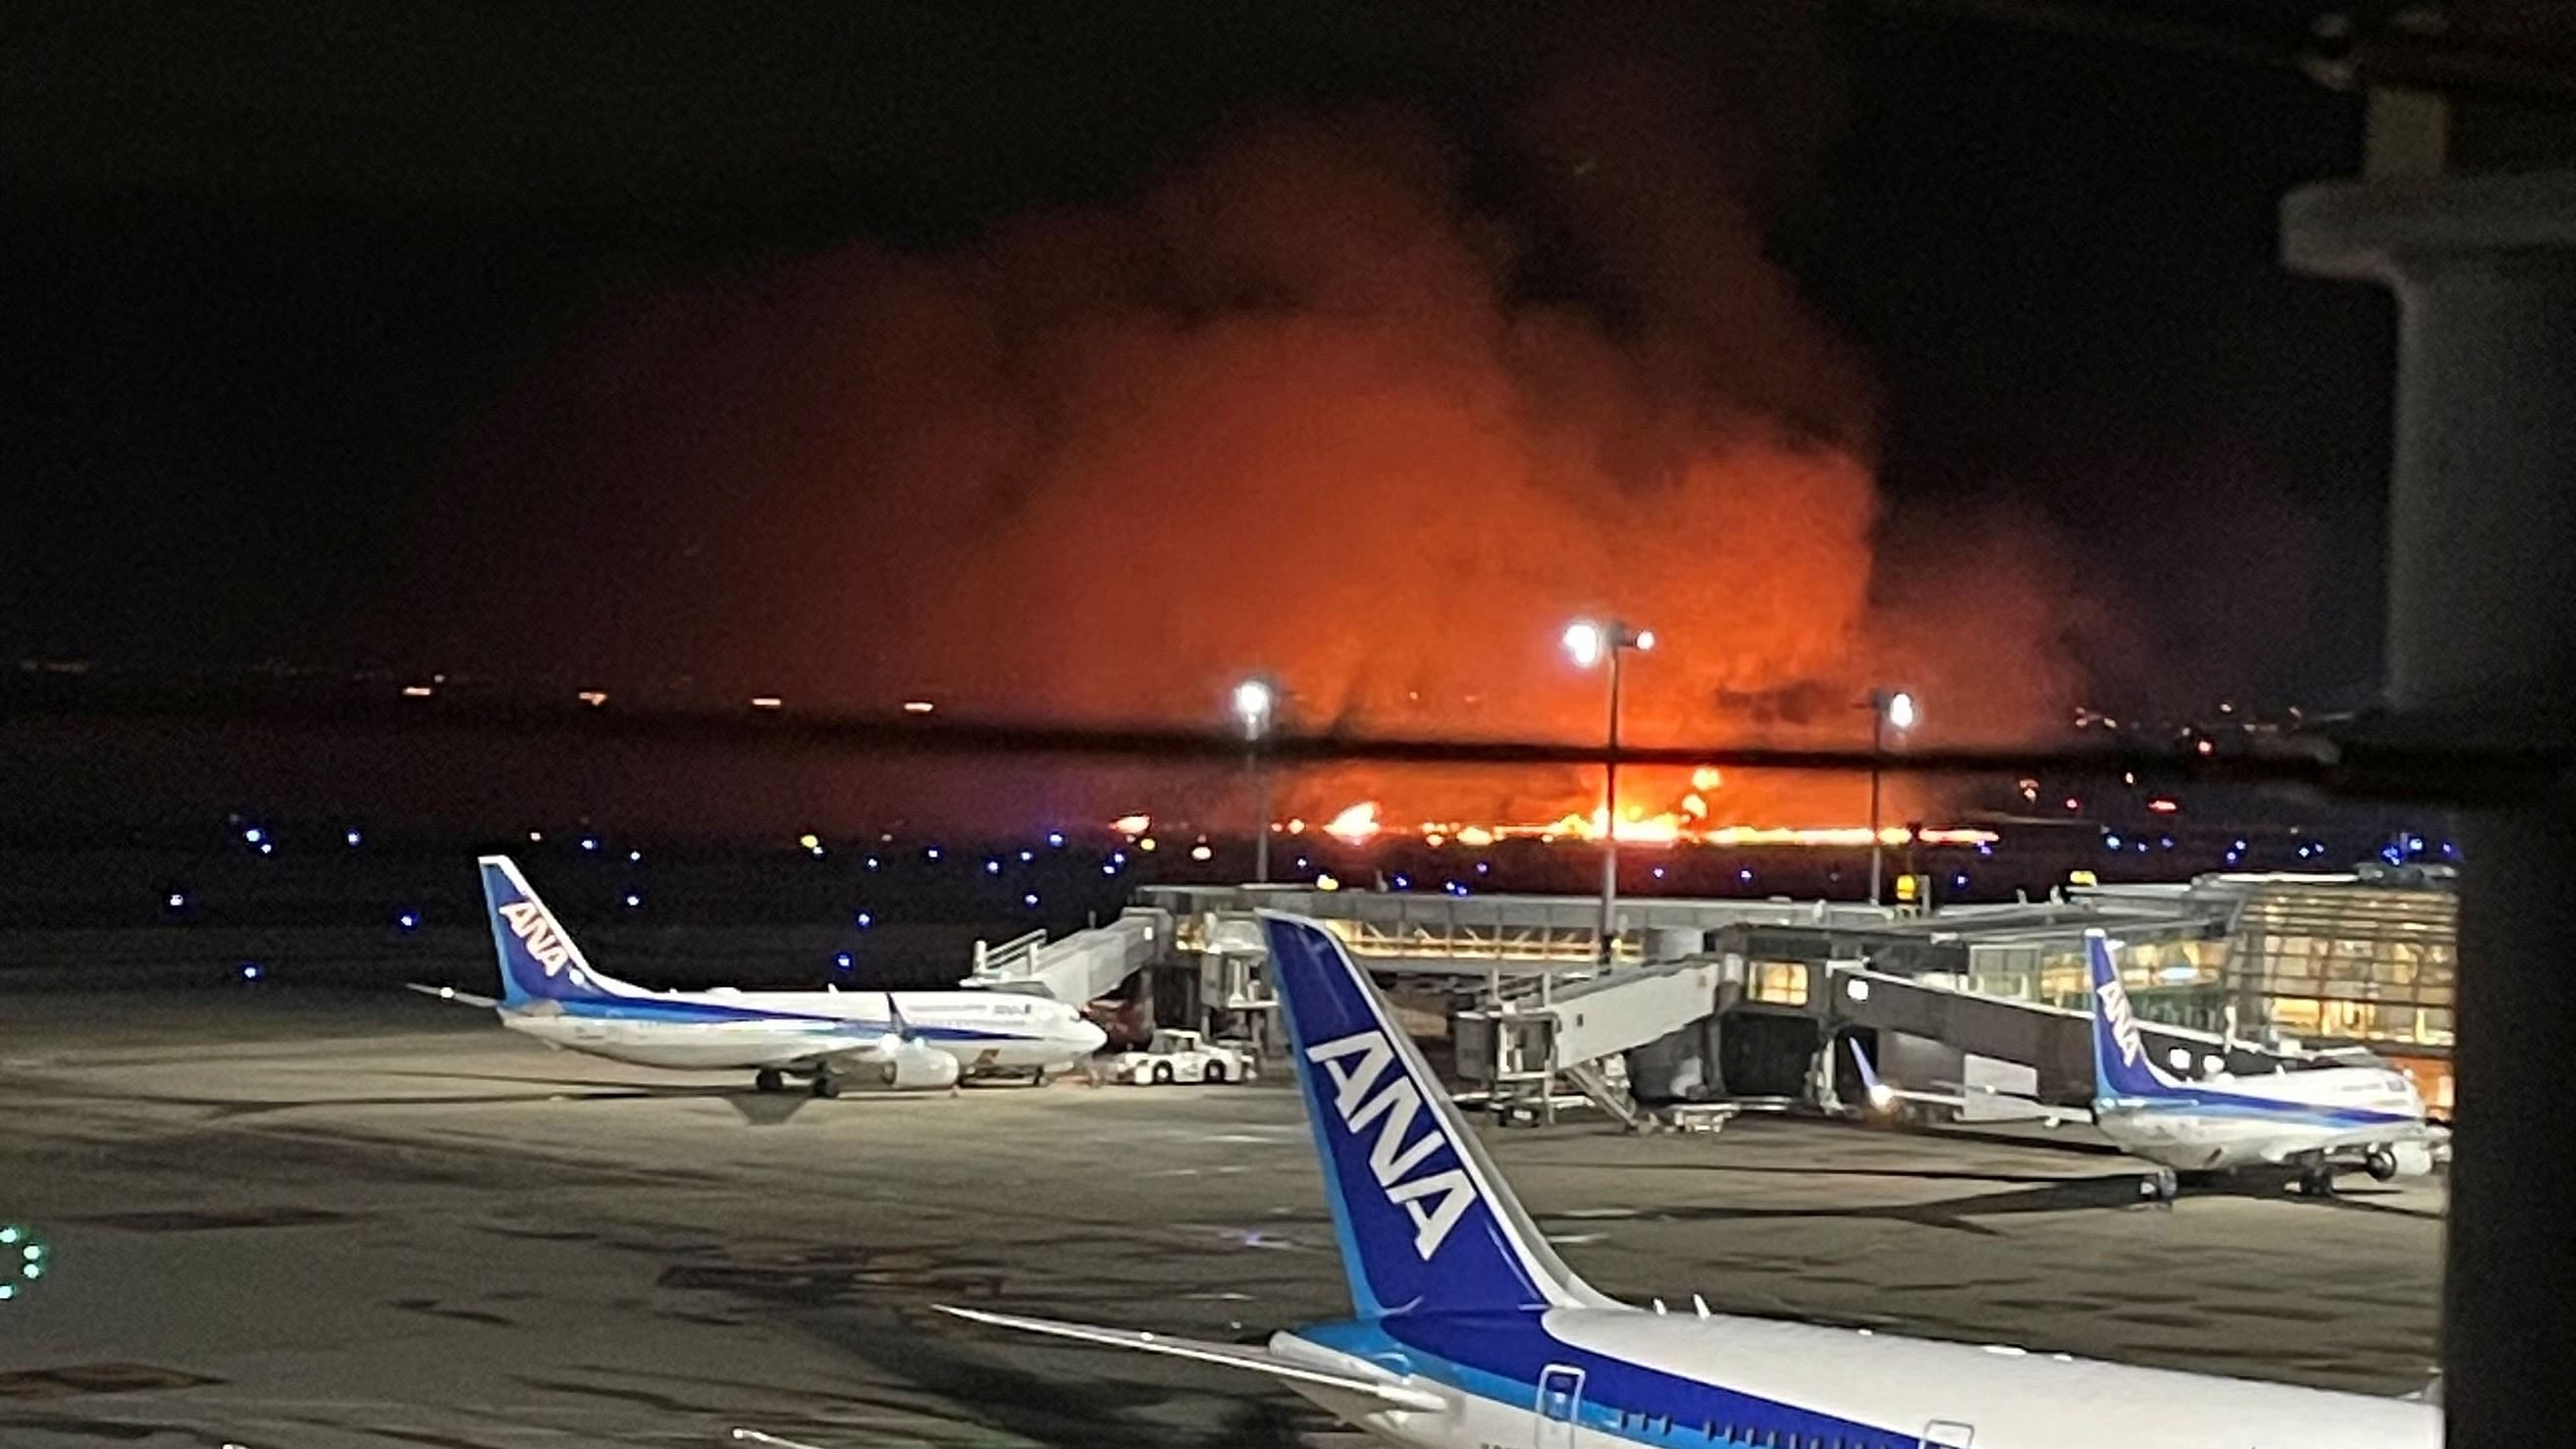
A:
(2121, 1066)
(1426, 1224)
(539, 961)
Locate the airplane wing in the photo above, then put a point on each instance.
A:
(1231, 1355)
(1883, 1094)
(450, 993)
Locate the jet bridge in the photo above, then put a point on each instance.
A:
(1081, 967)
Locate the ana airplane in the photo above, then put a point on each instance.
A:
(2312, 1120)
(902, 1038)
(1470, 1333)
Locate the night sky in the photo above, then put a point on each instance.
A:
(271, 275)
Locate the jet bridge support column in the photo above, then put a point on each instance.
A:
(2482, 647)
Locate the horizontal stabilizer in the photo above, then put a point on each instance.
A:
(1231, 1355)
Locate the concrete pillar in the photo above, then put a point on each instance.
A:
(2482, 647)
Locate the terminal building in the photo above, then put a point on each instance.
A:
(1737, 1001)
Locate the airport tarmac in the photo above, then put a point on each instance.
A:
(282, 1221)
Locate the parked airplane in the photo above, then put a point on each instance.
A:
(904, 1038)
(2314, 1120)
(1470, 1333)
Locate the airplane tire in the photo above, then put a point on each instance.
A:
(2319, 1183)
(1162, 1074)
(888, 1073)
(769, 1079)
(825, 1085)
(2164, 1185)
(1213, 1074)
(2381, 1164)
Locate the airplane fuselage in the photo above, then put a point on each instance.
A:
(982, 1031)
(2225, 1122)
(1597, 1378)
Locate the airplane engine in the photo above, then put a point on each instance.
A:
(2398, 1159)
(914, 1067)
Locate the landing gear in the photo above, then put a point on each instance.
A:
(2161, 1186)
(1038, 1078)
(769, 1079)
(826, 1085)
(2317, 1182)
(2381, 1164)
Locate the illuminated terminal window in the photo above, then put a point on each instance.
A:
(1781, 983)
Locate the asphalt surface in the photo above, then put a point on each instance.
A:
(282, 1221)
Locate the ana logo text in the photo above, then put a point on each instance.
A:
(2124, 1027)
(1434, 1200)
(529, 922)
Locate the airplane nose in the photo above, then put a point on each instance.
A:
(1088, 1038)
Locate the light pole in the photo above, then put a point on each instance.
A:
(1253, 701)
(1589, 643)
(1887, 710)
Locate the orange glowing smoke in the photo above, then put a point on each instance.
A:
(1303, 409)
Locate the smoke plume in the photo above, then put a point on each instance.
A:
(1329, 403)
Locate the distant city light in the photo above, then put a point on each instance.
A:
(1659, 872)
(254, 835)
(864, 919)
(1056, 839)
(1146, 844)
(536, 836)
(1119, 857)
(767, 701)
(178, 900)
(918, 706)
(2163, 805)
(268, 847)
(1745, 875)
(1959, 882)
(250, 971)
(813, 843)
(2112, 841)
(1901, 711)
(1027, 855)
(633, 856)
(931, 852)
(2074, 804)
(633, 900)
(1327, 882)
(1483, 867)
(1107, 868)
(408, 920)
(842, 960)
(590, 842)
(593, 697)
(872, 862)
(992, 867)
(417, 691)
(354, 838)
(1031, 899)
(1201, 851)
(1132, 826)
